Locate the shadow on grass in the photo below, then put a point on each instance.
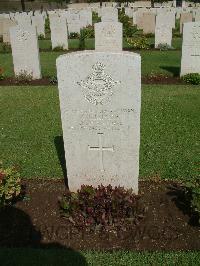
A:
(172, 69)
(59, 144)
(21, 243)
(178, 196)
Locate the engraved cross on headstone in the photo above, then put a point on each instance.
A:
(101, 149)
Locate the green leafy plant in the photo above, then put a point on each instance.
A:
(138, 43)
(88, 32)
(58, 48)
(53, 80)
(41, 37)
(47, 26)
(164, 47)
(74, 35)
(23, 77)
(149, 35)
(100, 207)
(193, 195)
(6, 48)
(82, 39)
(192, 78)
(95, 17)
(10, 186)
(1, 73)
(128, 29)
(176, 31)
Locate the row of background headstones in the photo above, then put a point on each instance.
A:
(78, 19)
(6, 5)
(108, 36)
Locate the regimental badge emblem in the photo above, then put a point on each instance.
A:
(98, 87)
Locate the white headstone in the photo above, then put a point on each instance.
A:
(25, 51)
(185, 17)
(38, 21)
(109, 14)
(85, 18)
(190, 61)
(59, 34)
(149, 22)
(108, 36)
(73, 21)
(23, 19)
(7, 24)
(100, 98)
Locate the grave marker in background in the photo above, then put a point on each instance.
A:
(25, 51)
(59, 33)
(190, 60)
(108, 36)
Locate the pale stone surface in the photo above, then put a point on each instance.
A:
(163, 30)
(197, 16)
(100, 98)
(190, 61)
(59, 34)
(139, 17)
(166, 18)
(149, 22)
(109, 14)
(73, 21)
(129, 12)
(163, 35)
(25, 51)
(1, 27)
(23, 19)
(7, 23)
(38, 21)
(185, 17)
(85, 18)
(108, 36)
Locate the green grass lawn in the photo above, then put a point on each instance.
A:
(52, 257)
(153, 62)
(30, 130)
(90, 43)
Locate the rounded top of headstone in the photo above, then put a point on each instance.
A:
(93, 52)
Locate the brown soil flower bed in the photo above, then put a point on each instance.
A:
(14, 82)
(161, 79)
(36, 221)
(158, 79)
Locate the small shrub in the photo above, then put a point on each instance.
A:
(41, 37)
(192, 78)
(139, 43)
(193, 195)
(149, 35)
(47, 25)
(10, 186)
(6, 48)
(74, 35)
(53, 80)
(157, 76)
(95, 17)
(128, 29)
(88, 32)
(100, 207)
(176, 31)
(164, 47)
(1, 73)
(23, 77)
(82, 39)
(58, 49)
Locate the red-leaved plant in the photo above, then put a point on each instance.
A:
(100, 207)
(1, 73)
